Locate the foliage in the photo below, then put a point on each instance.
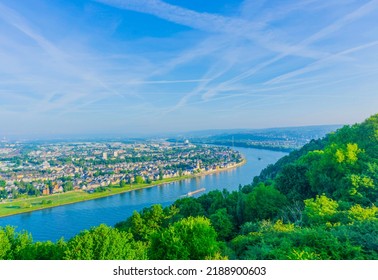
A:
(190, 238)
(264, 202)
(189, 206)
(320, 210)
(222, 223)
(358, 213)
(293, 182)
(14, 245)
(139, 179)
(104, 243)
(142, 225)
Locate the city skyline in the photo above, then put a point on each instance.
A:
(142, 67)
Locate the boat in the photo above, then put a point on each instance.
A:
(196, 191)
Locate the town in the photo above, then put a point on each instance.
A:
(29, 169)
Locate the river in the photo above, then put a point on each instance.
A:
(68, 220)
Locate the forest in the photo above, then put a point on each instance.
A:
(317, 203)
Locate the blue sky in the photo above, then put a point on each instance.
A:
(132, 67)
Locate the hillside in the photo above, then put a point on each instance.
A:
(278, 139)
(342, 165)
(319, 202)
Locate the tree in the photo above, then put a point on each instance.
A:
(13, 245)
(264, 202)
(68, 186)
(122, 184)
(293, 182)
(358, 213)
(5, 245)
(44, 251)
(139, 179)
(212, 201)
(222, 223)
(320, 210)
(191, 238)
(142, 225)
(189, 206)
(104, 243)
(3, 193)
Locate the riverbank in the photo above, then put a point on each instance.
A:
(25, 205)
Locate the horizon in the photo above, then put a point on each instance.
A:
(151, 136)
(147, 67)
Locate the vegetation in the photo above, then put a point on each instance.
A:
(319, 202)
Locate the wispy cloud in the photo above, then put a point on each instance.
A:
(114, 67)
(238, 28)
(59, 62)
(324, 32)
(296, 49)
(234, 27)
(320, 63)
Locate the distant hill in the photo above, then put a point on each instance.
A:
(282, 139)
(342, 165)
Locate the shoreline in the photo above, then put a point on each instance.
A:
(81, 196)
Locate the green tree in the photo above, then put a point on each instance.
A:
(13, 244)
(190, 238)
(320, 210)
(104, 243)
(293, 182)
(122, 184)
(3, 193)
(189, 206)
(44, 251)
(143, 224)
(358, 213)
(212, 201)
(68, 186)
(222, 223)
(139, 179)
(5, 245)
(264, 202)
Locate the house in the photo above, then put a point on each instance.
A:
(57, 188)
(46, 191)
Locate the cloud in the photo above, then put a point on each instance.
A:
(202, 21)
(77, 80)
(320, 63)
(324, 32)
(264, 52)
(233, 27)
(225, 31)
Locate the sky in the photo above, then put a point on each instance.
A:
(138, 67)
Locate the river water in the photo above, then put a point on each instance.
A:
(68, 220)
